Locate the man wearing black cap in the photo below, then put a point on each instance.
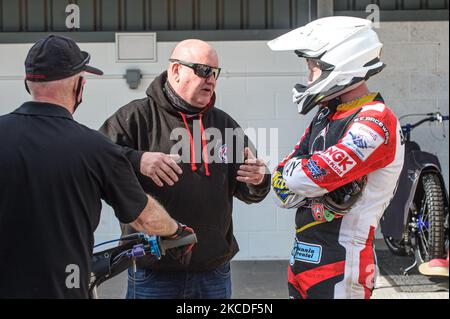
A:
(53, 174)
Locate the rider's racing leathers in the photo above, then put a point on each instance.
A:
(333, 255)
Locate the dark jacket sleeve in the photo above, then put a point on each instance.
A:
(253, 193)
(249, 193)
(120, 186)
(123, 128)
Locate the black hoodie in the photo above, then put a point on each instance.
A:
(203, 196)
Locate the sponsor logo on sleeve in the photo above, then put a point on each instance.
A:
(362, 140)
(377, 122)
(315, 170)
(291, 165)
(279, 187)
(338, 160)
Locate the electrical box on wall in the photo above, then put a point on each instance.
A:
(133, 77)
(136, 47)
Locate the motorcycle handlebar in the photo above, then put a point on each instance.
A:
(432, 117)
(109, 263)
(143, 244)
(166, 244)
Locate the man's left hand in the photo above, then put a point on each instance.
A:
(182, 254)
(253, 170)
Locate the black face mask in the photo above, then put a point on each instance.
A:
(26, 86)
(79, 87)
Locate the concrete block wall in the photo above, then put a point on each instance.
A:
(416, 79)
(255, 89)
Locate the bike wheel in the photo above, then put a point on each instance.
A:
(397, 247)
(431, 218)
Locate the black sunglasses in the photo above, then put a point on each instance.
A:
(202, 70)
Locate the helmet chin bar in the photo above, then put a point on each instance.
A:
(307, 104)
(305, 100)
(298, 92)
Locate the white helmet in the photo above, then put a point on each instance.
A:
(346, 49)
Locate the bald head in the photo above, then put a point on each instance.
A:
(194, 89)
(196, 51)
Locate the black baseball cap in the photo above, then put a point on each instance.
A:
(56, 57)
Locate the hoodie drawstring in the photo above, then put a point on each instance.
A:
(205, 153)
(191, 143)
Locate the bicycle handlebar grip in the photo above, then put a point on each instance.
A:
(183, 241)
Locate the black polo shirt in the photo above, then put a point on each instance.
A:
(53, 174)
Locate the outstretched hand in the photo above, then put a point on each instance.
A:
(161, 167)
(253, 170)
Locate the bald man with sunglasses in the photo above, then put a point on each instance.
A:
(194, 175)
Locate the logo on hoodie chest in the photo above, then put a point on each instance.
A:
(222, 152)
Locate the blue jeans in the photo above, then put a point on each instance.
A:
(156, 284)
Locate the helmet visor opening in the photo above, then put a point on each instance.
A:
(314, 71)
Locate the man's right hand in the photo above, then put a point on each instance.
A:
(161, 167)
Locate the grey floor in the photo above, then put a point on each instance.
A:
(267, 280)
(250, 280)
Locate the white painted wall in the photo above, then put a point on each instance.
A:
(255, 88)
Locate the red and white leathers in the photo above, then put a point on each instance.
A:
(334, 257)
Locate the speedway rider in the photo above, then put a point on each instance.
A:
(344, 170)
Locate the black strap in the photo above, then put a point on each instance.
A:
(26, 86)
